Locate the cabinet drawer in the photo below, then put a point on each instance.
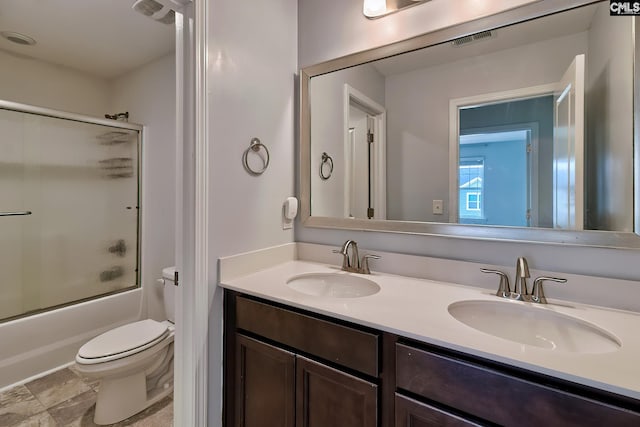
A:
(411, 413)
(336, 343)
(498, 397)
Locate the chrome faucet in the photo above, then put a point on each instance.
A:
(352, 262)
(520, 291)
(522, 274)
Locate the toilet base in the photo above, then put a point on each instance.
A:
(121, 398)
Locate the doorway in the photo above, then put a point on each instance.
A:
(365, 156)
(497, 175)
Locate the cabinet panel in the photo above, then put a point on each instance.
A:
(328, 397)
(411, 413)
(265, 379)
(498, 397)
(340, 344)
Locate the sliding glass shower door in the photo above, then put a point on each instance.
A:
(69, 210)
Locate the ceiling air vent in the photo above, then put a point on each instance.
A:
(462, 41)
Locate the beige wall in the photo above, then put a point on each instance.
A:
(30, 81)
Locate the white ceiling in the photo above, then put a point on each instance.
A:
(550, 27)
(104, 38)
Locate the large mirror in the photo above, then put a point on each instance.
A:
(508, 127)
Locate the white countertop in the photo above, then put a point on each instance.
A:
(417, 309)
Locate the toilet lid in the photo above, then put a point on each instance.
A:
(122, 339)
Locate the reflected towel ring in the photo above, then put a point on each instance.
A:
(326, 160)
(255, 146)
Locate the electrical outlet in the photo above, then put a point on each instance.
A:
(438, 207)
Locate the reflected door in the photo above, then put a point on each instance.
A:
(357, 173)
(568, 149)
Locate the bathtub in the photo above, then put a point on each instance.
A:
(33, 345)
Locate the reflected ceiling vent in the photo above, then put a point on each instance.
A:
(163, 11)
(463, 41)
(18, 38)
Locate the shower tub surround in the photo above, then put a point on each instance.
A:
(69, 248)
(416, 291)
(42, 342)
(65, 398)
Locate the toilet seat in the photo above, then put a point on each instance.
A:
(122, 342)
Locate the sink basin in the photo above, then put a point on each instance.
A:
(335, 285)
(534, 326)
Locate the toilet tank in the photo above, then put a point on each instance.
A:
(168, 276)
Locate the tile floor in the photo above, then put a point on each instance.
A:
(65, 398)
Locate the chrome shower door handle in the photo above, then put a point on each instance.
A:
(17, 213)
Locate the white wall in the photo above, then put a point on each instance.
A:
(333, 28)
(609, 125)
(29, 81)
(327, 131)
(148, 94)
(418, 114)
(252, 77)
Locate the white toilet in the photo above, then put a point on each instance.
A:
(134, 362)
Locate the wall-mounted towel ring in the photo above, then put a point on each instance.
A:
(255, 146)
(326, 161)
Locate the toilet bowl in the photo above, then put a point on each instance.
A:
(133, 362)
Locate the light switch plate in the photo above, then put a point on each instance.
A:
(438, 207)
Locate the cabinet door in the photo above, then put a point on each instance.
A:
(328, 397)
(411, 413)
(265, 379)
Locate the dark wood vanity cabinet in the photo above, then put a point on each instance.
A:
(476, 392)
(290, 369)
(413, 413)
(265, 384)
(328, 397)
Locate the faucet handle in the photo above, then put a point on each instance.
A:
(537, 293)
(365, 262)
(504, 290)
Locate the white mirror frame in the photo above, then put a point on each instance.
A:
(592, 238)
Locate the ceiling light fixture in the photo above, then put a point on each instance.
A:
(18, 38)
(373, 9)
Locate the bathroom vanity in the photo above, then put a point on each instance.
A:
(297, 359)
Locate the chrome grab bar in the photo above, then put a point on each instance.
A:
(15, 213)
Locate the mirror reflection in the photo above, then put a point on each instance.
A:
(529, 125)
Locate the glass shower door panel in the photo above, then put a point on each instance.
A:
(13, 127)
(80, 181)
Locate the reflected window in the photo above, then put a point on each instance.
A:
(471, 177)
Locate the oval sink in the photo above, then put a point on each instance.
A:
(333, 285)
(535, 326)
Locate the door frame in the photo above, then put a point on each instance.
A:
(192, 216)
(379, 114)
(455, 104)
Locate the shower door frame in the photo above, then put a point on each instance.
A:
(81, 118)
